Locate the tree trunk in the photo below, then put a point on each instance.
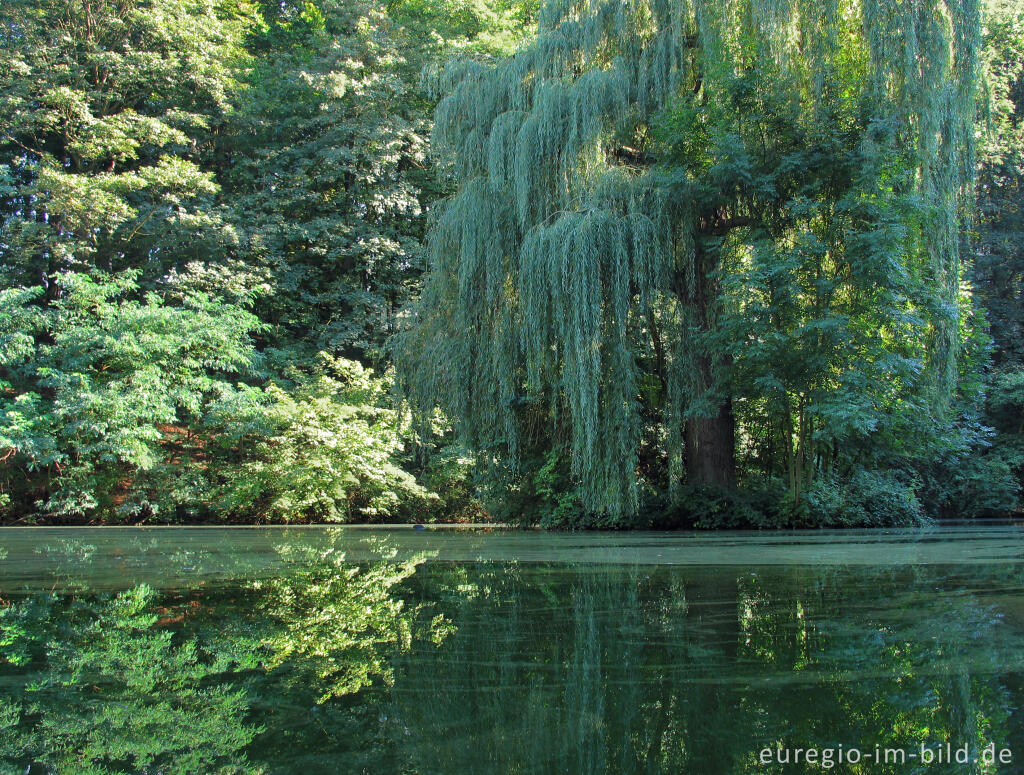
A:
(710, 448)
(710, 444)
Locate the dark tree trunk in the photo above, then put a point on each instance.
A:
(710, 441)
(710, 448)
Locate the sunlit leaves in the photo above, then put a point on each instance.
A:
(89, 398)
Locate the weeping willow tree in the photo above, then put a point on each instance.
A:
(610, 177)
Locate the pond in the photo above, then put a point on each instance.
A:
(350, 650)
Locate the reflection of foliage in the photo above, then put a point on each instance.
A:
(108, 690)
(387, 664)
(146, 682)
(893, 658)
(342, 621)
(547, 670)
(645, 670)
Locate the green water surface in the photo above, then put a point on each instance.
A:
(320, 650)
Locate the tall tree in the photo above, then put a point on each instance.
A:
(109, 112)
(614, 175)
(994, 480)
(163, 164)
(998, 271)
(330, 179)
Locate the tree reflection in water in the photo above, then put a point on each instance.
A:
(239, 677)
(697, 670)
(403, 665)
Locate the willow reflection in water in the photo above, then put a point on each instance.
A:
(401, 664)
(699, 670)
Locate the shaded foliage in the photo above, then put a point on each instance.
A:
(197, 198)
(684, 232)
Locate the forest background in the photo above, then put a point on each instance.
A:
(236, 285)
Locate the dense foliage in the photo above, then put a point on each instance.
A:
(648, 261)
(211, 215)
(705, 254)
(998, 272)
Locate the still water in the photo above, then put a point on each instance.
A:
(202, 651)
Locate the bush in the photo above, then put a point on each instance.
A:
(983, 484)
(755, 505)
(119, 404)
(90, 382)
(325, 452)
(866, 499)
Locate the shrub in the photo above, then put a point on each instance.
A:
(90, 382)
(325, 452)
(867, 499)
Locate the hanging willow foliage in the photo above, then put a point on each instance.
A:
(565, 240)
